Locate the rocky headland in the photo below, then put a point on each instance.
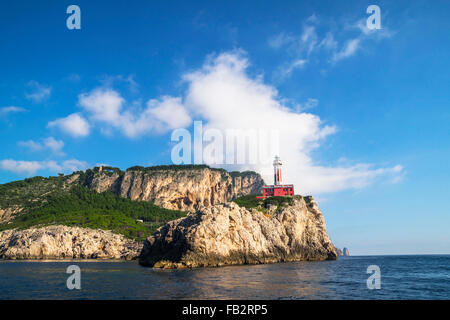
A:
(227, 234)
(64, 217)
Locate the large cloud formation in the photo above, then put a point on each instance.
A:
(223, 94)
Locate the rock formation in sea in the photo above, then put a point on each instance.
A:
(61, 242)
(339, 252)
(227, 234)
(345, 252)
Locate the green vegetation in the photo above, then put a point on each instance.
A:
(85, 208)
(243, 174)
(250, 201)
(26, 193)
(174, 168)
(278, 201)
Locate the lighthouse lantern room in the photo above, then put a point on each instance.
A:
(278, 188)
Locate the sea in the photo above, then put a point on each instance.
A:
(354, 277)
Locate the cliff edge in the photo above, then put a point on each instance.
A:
(228, 234)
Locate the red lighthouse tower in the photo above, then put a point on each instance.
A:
(278, 188)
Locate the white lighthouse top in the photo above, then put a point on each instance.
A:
(277, 161)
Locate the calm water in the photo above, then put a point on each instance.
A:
(402, 277)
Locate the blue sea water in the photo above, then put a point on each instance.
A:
(402, 277)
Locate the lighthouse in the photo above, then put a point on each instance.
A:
(278, 189)
(277, 178)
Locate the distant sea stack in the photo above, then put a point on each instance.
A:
(342, 253)
(228, 234)
(339, 252)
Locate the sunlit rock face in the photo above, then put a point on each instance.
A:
(61, 242)
(186, 190)
(227, 234)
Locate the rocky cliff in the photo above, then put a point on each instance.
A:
(227, 234)
(61, 242)
(186, 189)
(345, 252)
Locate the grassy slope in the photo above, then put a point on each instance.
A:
(84, 208)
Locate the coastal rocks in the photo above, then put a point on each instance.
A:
(339, 252)
(227, 234)
(61, 242)
(186, 189)
(342, 253)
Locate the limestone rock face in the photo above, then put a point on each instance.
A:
(9, 214)
(185, 190)
(227, 234)
(61, 242)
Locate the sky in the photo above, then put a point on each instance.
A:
(361, 115)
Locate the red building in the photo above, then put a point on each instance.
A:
(278, 188)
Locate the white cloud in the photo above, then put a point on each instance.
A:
(107, 107)
(74, 125)
(20, 167)
(302, 46)
(348, 50)
(103, 105)
(72, 165)
(309, 104)
(361, 24)
(329, 42)
(297, 64)
(29, 168)
(108, 81)
(38, 92)
(11, 109)
(309, 38)
(170, 112)
(49, 143)
(280, 40)
(224, 96)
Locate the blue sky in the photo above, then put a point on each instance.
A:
(366, 111)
